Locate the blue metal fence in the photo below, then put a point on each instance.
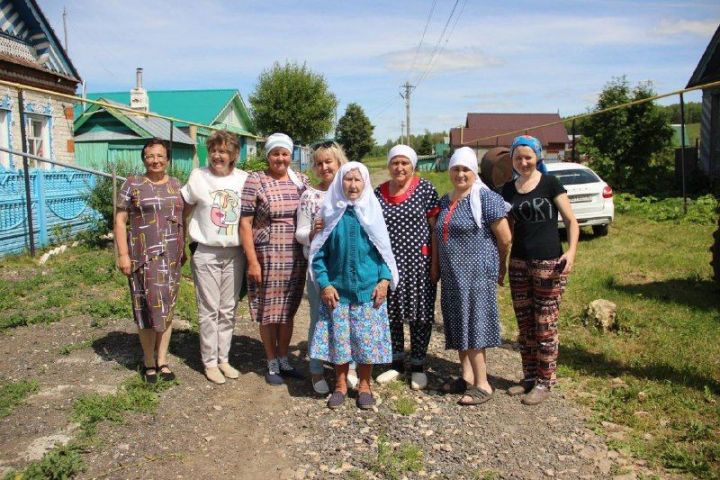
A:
(57, 200)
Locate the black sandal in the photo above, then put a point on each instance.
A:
(457, 385)
(168, 376)
(477, 396)
(149, 377)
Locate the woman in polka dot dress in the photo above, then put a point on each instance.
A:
(473, 237)
(410, 208)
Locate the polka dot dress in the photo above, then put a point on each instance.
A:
(406, 217)
(469, 265)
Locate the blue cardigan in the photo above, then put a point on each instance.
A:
(350, 262)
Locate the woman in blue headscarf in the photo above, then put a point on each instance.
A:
(538, 267)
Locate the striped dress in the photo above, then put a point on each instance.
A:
(273, 205)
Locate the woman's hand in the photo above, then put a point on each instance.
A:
(502, 273)
(318, 225)
(380, 293)
(434, 272)
(330, 297)
(254, 273)
(124, 264)
(567, 260)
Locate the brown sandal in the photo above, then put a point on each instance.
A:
(477, 395)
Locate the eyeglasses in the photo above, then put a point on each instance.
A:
(324, 144)
(159, 156)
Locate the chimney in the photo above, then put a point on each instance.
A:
(139, 99)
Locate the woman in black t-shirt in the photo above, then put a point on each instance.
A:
(538, 266)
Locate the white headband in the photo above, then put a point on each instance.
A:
(405, 151)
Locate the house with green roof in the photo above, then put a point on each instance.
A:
(106, 136)
(221, 108)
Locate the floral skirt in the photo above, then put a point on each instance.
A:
(356, 333)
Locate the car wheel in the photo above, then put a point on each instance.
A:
(601, 230)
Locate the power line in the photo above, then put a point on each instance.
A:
(422, 37)
(441, 46)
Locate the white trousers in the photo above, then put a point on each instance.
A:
(218, 274)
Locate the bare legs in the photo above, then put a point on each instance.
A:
(364, 373)
(276, 339)
(474, 369)
(154, 344)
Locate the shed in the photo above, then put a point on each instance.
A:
(708, 71)
(222, 108)
(483, 131)
(104, 135)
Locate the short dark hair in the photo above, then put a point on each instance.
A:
(152, 142)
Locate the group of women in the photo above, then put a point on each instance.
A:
(370, 259)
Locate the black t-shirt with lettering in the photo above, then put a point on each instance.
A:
(535, 236)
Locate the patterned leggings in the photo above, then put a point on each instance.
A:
(537, 287)
(419, 340)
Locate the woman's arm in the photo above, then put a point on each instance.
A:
(303, 224)
(120, 233)
(254, 272)
(501, 229)
(573, 231)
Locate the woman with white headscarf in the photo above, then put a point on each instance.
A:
(352, 264)
(410, 208)
(473, 237)
(276, 265)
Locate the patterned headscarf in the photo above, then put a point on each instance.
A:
(534, 143)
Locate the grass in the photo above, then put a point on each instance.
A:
(666, 352)
(133, 396)
(83, 283)
(13, 394)
(395, 462)
(60, 463)
(400, 402)
(71, 347)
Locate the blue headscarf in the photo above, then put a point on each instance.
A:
(534, 143)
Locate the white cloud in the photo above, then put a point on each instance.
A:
(701, 28)
(447, 60)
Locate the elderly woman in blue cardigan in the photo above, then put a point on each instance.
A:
(353, 266)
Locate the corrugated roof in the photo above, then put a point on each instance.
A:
(155, 127)
(199, 106)
(104, 136)
(708, 68)
(483, 125)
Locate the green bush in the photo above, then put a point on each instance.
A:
(701, 211)
(61, 463)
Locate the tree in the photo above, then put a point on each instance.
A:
(625, 144)
(354, 132)
(425, 146)
(292, 99)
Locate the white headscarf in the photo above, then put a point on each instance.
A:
(283, 141)
(405, 151)
(368, 212)
(465, 157)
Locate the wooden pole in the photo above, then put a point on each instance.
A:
(682, 151)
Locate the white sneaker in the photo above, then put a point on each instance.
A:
(387, 377)
(213, 374)
(418, 381)
(228, 370)
(352, 379)
(321, 387)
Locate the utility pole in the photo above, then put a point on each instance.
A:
(402, 131)
(406, 95)
(65, 28)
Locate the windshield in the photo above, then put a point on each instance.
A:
(575, 177)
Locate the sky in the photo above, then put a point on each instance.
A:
(461, 55)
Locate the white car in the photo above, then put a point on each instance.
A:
(590, 197)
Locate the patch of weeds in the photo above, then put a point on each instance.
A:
(71, 347)
(356, 475)
(695, 463)
(57, 298)
(22, 320)
(393, 463)
(102, 309)
(405, 406)
(13, 394)
(60, 463)
(133, 396)
(401, 403)
(485, 474)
